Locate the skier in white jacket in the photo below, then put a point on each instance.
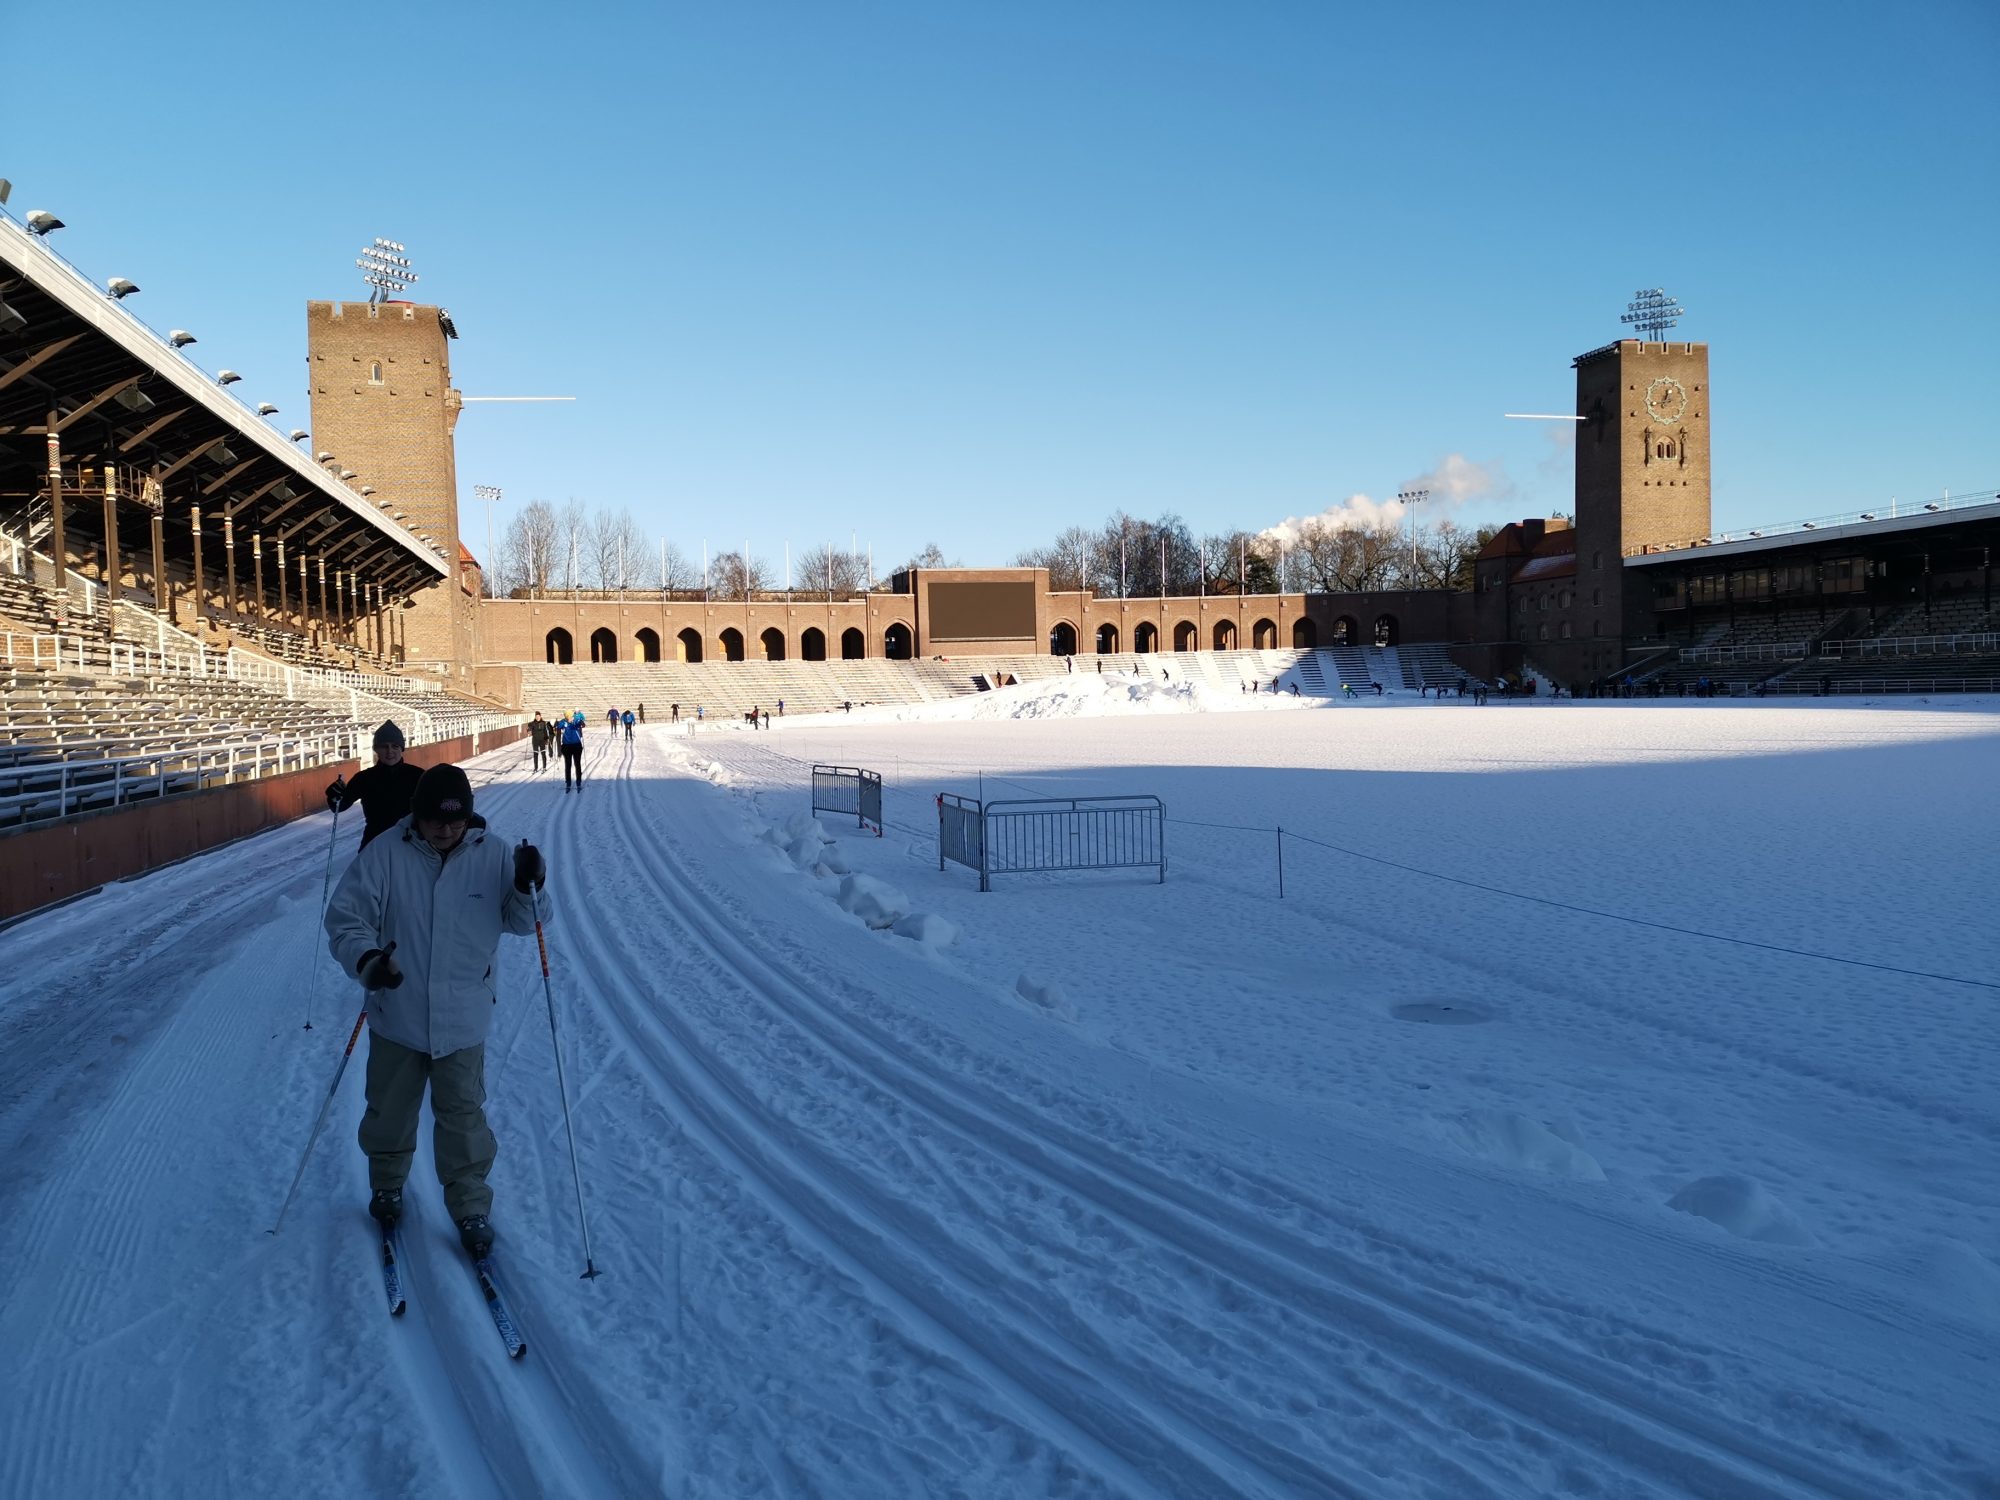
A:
(417, 919)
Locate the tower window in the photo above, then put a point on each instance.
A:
(375, 373)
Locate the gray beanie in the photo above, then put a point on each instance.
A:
(388, 734)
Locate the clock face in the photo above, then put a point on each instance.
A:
(1666, 399)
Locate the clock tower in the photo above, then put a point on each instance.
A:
(1642, 450)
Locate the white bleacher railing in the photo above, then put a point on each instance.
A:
(1980, 644)
(48, 790)
(1756, 651)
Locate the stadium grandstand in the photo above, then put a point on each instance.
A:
(203, 615)
(190, 605)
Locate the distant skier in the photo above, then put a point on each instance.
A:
(642, 713)
(539, 732)
(417, 919)
(612, 719)
(383, 789)
(781, 708)
(628, 723)
(571, 746)
(674, 714)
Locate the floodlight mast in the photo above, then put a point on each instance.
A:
(385, 268)
(1651, 312)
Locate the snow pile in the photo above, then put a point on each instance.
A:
(1095, 695)
(1744, 1207)
(876, 902)
(1515, 1140)
(1045, 996)
(926, 927)
(1962, 1278)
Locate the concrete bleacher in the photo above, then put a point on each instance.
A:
(726, 690)
(103, 706)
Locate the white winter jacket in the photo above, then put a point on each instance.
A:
(445, 914)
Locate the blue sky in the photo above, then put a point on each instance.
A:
(972, 273)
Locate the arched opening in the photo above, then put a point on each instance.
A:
(853, 644)
(604, 644)
(1225, 635)
(1145, 637)
(1305, 634)
(1346, 631)
(812, 644)
(897, 643)
(1062, 639)
(688, 644)
(561, 649)
(1386, 633)
(649, 644)
(731, 641)
(1107, 639)
(773, 642)
(1264, 635)
(1186, 636)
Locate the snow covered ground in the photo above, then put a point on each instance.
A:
(1403, 1185)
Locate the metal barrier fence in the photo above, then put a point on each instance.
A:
(848, 789)
(1052, 834)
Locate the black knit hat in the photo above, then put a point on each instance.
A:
(390, 733)
(443, 795)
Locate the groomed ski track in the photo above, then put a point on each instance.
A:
(850, 1247)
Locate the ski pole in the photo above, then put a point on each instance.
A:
(320, 1124)
(325, 884)
(562, 1088)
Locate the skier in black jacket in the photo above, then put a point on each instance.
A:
(383, 790)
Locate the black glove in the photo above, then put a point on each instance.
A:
(336, 792)
(530, 869)
(377, 969)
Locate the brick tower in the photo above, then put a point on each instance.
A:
(1641, 477)
(383, 404)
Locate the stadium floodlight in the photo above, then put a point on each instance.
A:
(226, 377)
(1756, 533)
(1651, 312)
(385, 268)
(133, 399)
(349, 474)
(1933, 506)
(369, 489)
(299, 434)
(6, 190)
(10, 321)
(120, 288)
(266, 409)
(1809, 525)
(180, 338)
(325, 458)
(1868, 515)
(220, 453)
(42, 222)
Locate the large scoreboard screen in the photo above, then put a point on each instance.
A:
(982, 611)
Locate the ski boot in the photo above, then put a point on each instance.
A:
(475, 1232)
(386, 1207)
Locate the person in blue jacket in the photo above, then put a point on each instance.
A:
(570, 743)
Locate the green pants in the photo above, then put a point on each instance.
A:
(461, 1141)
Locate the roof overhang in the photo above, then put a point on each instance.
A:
(79, 348)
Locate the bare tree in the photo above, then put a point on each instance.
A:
(619, 551)
(1067, 559)
(528, 551)
(1445, 554)
(732, 575)
(828, 570)
(573, 558)
(1346, 559)
(677, 573)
